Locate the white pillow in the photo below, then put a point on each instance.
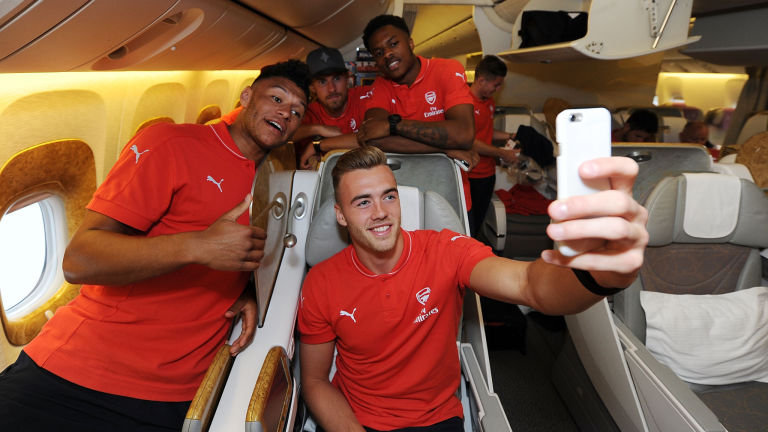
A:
(710, 339)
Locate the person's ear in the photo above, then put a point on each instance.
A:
(245, 96)
(410, 44)
(339, 215)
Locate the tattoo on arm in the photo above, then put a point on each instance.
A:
(426, 133)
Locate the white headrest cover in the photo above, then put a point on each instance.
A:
(711, 205)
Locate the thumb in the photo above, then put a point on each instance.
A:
(238, 210)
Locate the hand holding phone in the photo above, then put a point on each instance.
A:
(582, 135)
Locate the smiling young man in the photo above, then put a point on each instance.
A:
(390, 303)
(164, 254)
(417, 105)
(337, 112)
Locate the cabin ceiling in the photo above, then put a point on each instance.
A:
(87, 35)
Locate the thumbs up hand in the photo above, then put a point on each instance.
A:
(229, 246)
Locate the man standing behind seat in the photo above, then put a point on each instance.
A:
(391, 302)
(417, 105)
(489, 76)
(337, 112)
(641, 126)
(697, 132)
(164, 253)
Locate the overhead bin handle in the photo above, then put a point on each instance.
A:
(298, 211)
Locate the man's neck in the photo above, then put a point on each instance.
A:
(245, 143)
(381, 262)
(412, 74)
(475, 91)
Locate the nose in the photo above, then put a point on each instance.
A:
(378, 210)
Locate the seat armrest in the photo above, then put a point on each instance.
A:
(206, 399)
(494, 226)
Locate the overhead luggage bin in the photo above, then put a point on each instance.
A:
(614, 30)
(332, 23)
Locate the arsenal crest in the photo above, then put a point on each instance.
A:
(431, 97)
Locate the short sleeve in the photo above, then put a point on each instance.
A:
(454, 83)
(465, 251)
(139, 188)
(379, 96)
(314, 326)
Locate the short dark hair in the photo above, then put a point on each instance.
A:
(490, 67)
(364, 157)
(644, 120)
(381, 21)
(294, 70)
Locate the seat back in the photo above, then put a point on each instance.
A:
(706, 231)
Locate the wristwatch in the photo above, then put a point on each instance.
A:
(394, 119)
(316, 143)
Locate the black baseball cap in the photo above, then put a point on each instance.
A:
(325, 61)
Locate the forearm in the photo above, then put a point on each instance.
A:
(398, 144)
(443, 135)
(308, 130)
(555, 290)
(346, 141)
(484, 149)
(108, 258)
(329, 407)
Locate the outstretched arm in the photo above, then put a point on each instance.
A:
(608, 228)
(106, 251)
(328, 406)
(457, 132)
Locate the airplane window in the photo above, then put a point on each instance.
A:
(32, 243)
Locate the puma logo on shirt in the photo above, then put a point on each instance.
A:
(137, 152)
(217, 183)
(351, 315)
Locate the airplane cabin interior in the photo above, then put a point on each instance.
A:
(683, 349)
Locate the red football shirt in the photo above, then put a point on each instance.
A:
(484, 132)
(154, 339)
(395, 333)
(440, 85)
(352, 117)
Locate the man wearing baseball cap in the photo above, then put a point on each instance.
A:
(333, 118)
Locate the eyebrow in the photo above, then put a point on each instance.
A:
(278, 86)
(361, 196)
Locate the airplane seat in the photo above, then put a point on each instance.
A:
(698, 292)
(207, 114)
(153, 120)
(430, 193)
(671, 126)
(753, 154)
(718, 119)
(756, 123)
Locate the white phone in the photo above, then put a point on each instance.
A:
(582, 134)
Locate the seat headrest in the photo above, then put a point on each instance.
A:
(418, 211)
(707, 208)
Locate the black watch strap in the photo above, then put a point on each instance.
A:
(394, 119)
(316, 143)
(592, 286)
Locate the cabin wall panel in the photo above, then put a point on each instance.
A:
(52, 115)
(103, 109)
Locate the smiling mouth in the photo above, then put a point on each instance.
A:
(275, 125)
(380, 229)
(393, 64)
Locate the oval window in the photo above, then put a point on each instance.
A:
(32, 240)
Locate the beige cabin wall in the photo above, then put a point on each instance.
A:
(105, 108)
